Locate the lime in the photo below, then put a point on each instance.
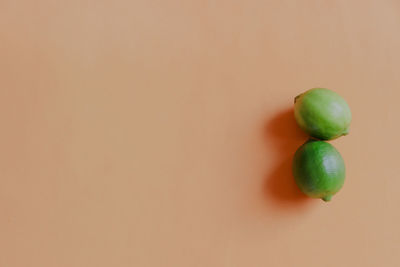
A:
(318, 169)
(322, 113)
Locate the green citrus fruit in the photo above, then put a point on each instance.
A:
(322, 113)
(318, 169)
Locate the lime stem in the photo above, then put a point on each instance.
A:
(326, 198)
(295, 99)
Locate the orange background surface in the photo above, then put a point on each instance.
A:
(160, 133)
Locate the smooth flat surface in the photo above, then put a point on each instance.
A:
(159, 133)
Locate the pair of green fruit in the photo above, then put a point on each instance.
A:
(318, 168)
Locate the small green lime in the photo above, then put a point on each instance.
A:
(322, 113)
(318, 169)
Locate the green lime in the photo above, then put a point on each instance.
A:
(318, 169)
(322, 113)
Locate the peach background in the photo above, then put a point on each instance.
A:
(160, 133)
